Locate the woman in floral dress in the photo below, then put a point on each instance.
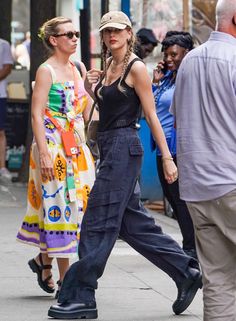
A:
(59, 184)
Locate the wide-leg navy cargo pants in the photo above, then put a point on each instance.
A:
(114, 209)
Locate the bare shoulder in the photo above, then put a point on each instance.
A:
(82, 65)
(43, 74)
(43, 70)
(138, 67)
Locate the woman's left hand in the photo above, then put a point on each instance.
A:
(170, 170)
(157, 72)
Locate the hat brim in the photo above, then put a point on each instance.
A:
(116, 25)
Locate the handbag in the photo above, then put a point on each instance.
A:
(91, 128)
(67, 137)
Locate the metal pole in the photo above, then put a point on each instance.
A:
(125, 7)
(104, 7)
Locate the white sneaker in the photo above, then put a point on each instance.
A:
(4, 173)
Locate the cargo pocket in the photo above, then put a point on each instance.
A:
(103, 211)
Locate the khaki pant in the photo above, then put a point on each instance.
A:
(215, 232)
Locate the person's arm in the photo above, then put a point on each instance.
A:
(6, 60)
(87, 110)
(42, 86)
(92, 78)
(143, 88)
(5, 71)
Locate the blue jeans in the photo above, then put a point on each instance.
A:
(114, 209)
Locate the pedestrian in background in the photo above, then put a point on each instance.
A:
(61, 166)
(204, 105)
(114, 206)
(22, 52)
(146, 42)
(6, 63)
(175, 46)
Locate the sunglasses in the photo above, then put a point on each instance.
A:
(69, 34)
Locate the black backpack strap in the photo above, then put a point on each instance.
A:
(77, 65)
(130, 65)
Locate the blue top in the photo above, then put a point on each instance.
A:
(163, 95)
(204, 104)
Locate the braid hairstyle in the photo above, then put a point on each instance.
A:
(129, 51)
(106, 54)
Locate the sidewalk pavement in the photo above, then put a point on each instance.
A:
(131, 289)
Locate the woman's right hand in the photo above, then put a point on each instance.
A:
(46, 166)
(157, 72)
(93, 76)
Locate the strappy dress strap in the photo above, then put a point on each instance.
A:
(130, 65)
(52, 71)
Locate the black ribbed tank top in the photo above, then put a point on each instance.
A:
(118, 109)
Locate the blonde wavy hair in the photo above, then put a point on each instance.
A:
(106, 54)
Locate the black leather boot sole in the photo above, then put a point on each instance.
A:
(72, 311)
(186, 293)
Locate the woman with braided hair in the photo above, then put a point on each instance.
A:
(114, 206)
(175, 46)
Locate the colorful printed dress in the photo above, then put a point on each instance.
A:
(53, 218)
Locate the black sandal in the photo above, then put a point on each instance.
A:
(59, 283)
(38, 269)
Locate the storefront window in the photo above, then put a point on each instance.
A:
(20, 31)
(94, 36)
(160, 16)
